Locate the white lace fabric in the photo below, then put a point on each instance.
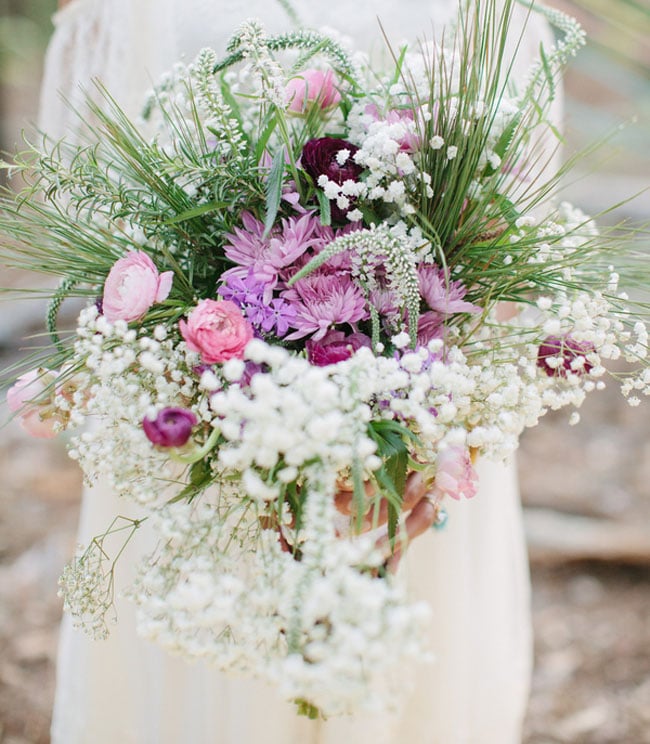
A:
(474, 573)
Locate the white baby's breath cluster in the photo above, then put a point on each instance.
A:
(321, 628)
(125, 377)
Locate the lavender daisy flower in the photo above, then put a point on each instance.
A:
(280, 315)
(244, 291)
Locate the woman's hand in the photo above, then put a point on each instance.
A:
(63, 3)
(420, 508)
(422, 513)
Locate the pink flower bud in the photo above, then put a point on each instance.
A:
(217, 330)
(560, 356)
(172, 427)
(36, 411)
(455, 475)
(133, 285)
(311, 88)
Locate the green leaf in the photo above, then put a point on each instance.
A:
(325, 208)
(274, 190)
(391, 439)
(505, 139)
(201, 477)
(264, 138)
(199, 211)
(548, 72)
(507, 209)
(359, 494)
(233, 104)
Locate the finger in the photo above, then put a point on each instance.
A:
(414, 490)
(422, 517)
(393, 561)
(344, 497)
(377, 515)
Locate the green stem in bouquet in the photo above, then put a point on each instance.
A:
(197, 454)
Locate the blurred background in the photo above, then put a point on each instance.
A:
(586, 489)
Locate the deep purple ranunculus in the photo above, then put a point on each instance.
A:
(172, 427)
(334, 347)
(570, 350)
(250, 370)
(319, 158)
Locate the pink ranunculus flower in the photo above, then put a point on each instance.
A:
(133, 285)
(36, 413)
(309, 88)
(335, 347)
(218, 330)
(455, 475)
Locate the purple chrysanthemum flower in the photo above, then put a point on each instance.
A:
(172, 427)
(430, 325)
(266, 256)
(571, 356)
(322, 301)
(442, 295)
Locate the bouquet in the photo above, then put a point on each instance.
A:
(315, 292)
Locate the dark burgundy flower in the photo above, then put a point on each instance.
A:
(569, 350)
(172, 427)
(334, 347)
(319, 158)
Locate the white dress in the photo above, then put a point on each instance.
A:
(474, 573)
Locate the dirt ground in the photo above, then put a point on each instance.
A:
(592, 620)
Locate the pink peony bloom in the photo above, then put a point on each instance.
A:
(312, 88)
(37, 414)
(455, 475)
(442, 295)
(217, 330)
(334, 347)
(133, 285)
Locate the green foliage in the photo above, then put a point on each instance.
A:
(394, 442)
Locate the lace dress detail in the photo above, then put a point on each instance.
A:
(474, 574)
